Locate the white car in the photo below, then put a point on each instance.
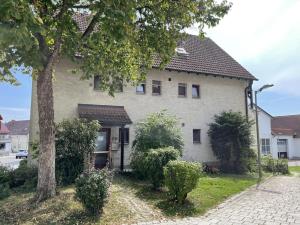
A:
(22, 154)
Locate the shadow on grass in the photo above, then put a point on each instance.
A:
(158, 198)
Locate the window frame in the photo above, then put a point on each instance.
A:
(264, 146)
(126, 138)
(184, 85)
(196, 141)
(99, 80)
(198, 87)
(159, 85)
(139, 92)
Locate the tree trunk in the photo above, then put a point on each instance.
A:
(46, 187)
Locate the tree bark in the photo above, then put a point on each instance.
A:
(46, 187)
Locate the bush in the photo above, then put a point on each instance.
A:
(158, 130)
(230, 137)
(155, 162)
(92, 190)
(275, 165)
(5, 175)
(181, 178)
(74, 139)
(25, 176)
(4, 190)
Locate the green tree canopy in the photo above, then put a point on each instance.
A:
(118, 43)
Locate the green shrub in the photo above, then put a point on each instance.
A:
(230, 137)
(74, 139)
(155, 162)
(181, 177)
(92, 190)
(24, 174)
(4, 190)
(158, 130)
(275, 165)
(5, 175)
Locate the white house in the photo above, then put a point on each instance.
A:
(18, 134)
(198, 83)
(280, 135)
(5, 143)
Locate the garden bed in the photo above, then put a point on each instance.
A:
(130, 201)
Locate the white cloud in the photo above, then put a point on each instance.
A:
(264, 36)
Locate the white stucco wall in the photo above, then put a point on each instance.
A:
(217, 94)
(4, 139)
(19, 142)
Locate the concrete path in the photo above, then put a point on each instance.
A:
(277, 201)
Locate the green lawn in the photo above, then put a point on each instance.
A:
(295, 170)
(130, 201)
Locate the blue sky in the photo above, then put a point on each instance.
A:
(263, 36)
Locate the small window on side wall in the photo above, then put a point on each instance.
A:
(182, 90)
(126, 135)
(196, 136)
(156, 87)
(118, 86)
(195, 91)
(97, 82)
(141, 88)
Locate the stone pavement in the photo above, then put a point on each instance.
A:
(276, 201)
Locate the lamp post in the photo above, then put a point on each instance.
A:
(257, 128)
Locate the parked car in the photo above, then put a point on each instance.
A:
(22, 154)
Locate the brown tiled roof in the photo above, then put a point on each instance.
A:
(205, 56)
(286, 125)
(20, 127)
(3, 129)
(106, 114)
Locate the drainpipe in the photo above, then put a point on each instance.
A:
(248, 93)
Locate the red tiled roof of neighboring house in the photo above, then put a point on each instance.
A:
(286, 125)
(3, 129)
(204, 56)
(18, 127)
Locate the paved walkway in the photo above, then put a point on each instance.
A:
(277, 201)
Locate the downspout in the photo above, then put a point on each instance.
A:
(248, 94)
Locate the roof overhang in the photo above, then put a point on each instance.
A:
(105, 114)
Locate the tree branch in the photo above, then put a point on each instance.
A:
(91, 26)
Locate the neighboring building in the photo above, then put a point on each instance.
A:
(280, 135)
(5, 144)
(198, 83)
(19, 134)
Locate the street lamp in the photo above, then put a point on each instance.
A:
(257, 129)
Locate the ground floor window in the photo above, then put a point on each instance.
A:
(126, 135)
(196, 136)
(265, 146)
(2, 146)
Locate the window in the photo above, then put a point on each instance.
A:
(265, 146)
(181, 90)
(97, 82)
(156, 87)
(141, 88)
(126, 135)
(195, 91)
(196, 136)
(118, 85)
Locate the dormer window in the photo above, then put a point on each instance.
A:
(181, 52)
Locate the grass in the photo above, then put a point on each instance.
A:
(295, 170)
(130, 201)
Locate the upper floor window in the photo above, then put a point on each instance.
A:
(141, 88)
(156, 87)
(182, 90)
(118, 85)
(196, 136)
(195, 91)
(265, 146)
(126, 135)
(97, 82)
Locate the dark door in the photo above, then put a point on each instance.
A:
(102, 147)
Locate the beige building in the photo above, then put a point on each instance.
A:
(18, 134)
(201, 81)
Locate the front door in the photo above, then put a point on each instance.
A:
(282, 148)
(102, 148)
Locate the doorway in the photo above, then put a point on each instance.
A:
(102, 148)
